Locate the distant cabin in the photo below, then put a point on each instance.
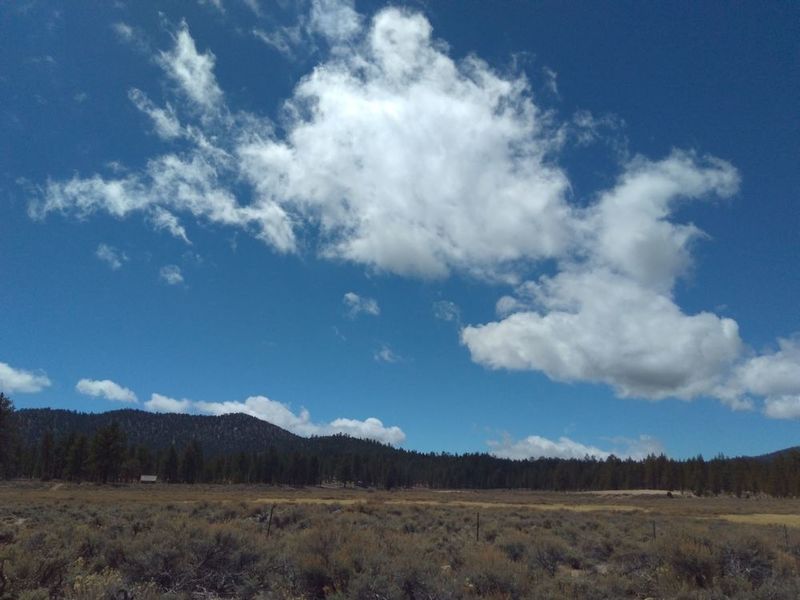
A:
(148, 479)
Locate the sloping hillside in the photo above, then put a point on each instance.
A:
(224, 434)
(218, 435)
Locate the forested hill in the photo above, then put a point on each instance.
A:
(218, 435)
(121, 445)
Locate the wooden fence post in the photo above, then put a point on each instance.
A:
(477, 527)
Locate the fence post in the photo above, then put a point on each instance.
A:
(477, 527)
(654, 530)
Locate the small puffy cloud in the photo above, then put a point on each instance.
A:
(107, 389)
(782, 407)
(637, 448)
(171, 275)
(14, 380)
(445, 310)
(124, 31)
(370, 428)
(192, 71)
(385, 354)
(773, 375)
(300, 423)
(159, 403)
(357, 305)
(265, 409)
(111, 256)
(129, 35)
(336, 20)
(535, 446)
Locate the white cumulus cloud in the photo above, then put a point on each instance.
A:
(406, 160)
(336, 20)
(107, 389)
(602, 327)
(395, 155)
(13, 380)
(301, 424)
(281, 415)
(609, 315)
(416, 164)
(535, 446)
(160, 403)
(773, 375)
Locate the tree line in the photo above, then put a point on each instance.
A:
(106, 456)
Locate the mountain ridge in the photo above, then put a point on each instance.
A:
(218, 434)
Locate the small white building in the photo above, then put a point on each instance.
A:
(148, 479)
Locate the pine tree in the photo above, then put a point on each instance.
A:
(170, 471)
(77, 457)
(7, 441)
(107, 453)
(47, 456)
(192, 463)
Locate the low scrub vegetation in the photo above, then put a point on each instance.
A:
(122, 543)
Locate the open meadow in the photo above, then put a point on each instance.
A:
(173, 541)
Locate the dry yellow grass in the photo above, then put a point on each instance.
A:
(763, 519)
(454, 502)
(138, 541)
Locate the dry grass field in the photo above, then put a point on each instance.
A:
(124, 542)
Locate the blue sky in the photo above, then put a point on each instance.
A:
(524, 228)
